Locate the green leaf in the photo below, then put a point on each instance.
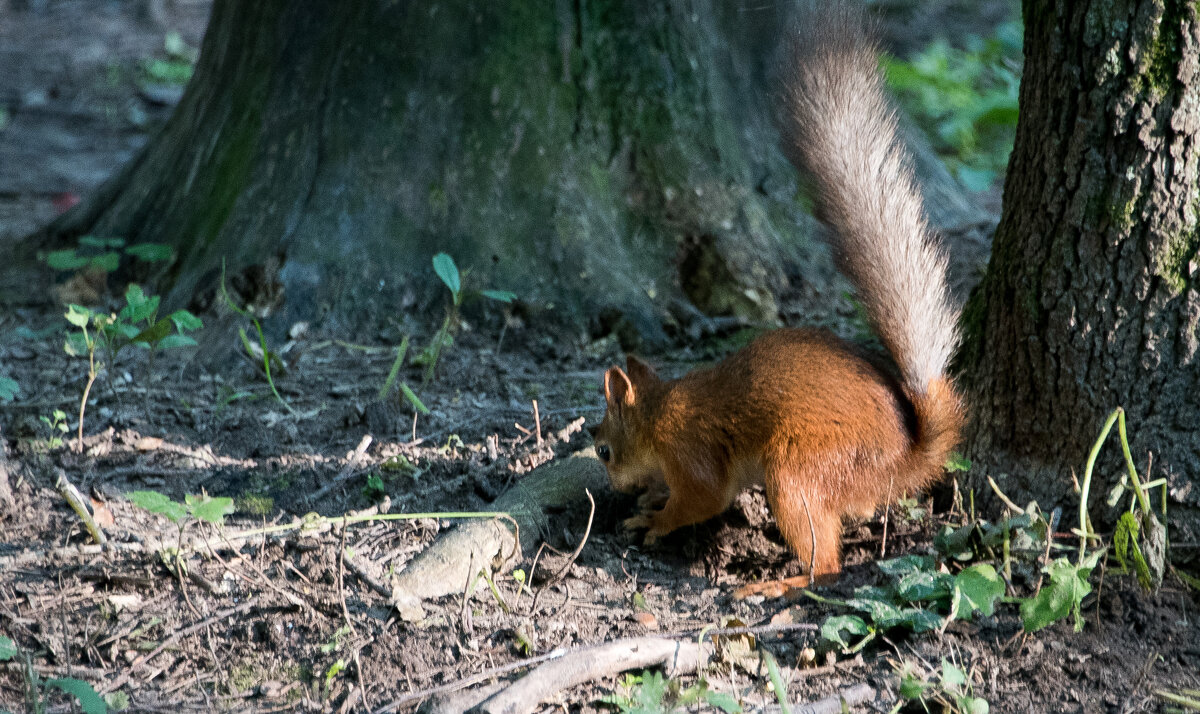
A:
(155, 502)
(93, 242)
(107, 261)
(976, 588)
(1127, 530)
(186, 321)
(1062, 595)
(76, 344)
(924, 585)
(972, 705)
(150, 252)
(78, 315)
(954, 679)
(117, 701)
(9, 389)
(912, 684)
(725, 702)
(171, 341)
(905, 564)
(499, 295)
(8, 649)
(154, 333)
(67, 259)
(958, 462)
(209, 508)
(445, 268)
(139, 308)
(413, 399)
(917, 620)
(89, 701)
(834, 626)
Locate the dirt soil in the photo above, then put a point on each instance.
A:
(286, 621)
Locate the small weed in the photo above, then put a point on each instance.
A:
(205, 508)
(375, 489)
(651, 693)
(969, 97)
(35, 688)
(951, 688)
(137, 323)
(394, 372)
(177, 66)
(335, 644)
(447, 271)
(259, 350)
(57, 423)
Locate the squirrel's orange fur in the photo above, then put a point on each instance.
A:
(828, 433)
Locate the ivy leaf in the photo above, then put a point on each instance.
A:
(905, 564)
(976, 588)
(1062, 595)
(833, 628)
(924, 585)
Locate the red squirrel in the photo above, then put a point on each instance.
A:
(827, 432)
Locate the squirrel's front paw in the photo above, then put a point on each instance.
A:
(636, 523)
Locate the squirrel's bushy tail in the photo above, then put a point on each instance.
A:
(841, 132)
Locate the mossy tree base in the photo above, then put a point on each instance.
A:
(1092, 298)
(572, 153)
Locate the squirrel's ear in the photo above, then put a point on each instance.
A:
(640, 372)
(618, 390)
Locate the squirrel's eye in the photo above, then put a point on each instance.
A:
(603, 452)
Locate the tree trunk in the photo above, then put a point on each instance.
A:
(1091, 298)
(596, 158)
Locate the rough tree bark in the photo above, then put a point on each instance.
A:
(597, 158)
(1092, 297)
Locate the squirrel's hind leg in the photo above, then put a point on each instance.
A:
(809, 523)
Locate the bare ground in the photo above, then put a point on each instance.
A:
(263, 625)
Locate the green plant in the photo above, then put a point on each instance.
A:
(951, 688)
(374, 490)
(137, 323)
(968, 96)
(210, 509)
(35, 702)
(176, 68)
(104, 254)
(447, 271)
(57, 423)
(651, 693)
(268, 357)
(394, 372)
(1139, 536)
